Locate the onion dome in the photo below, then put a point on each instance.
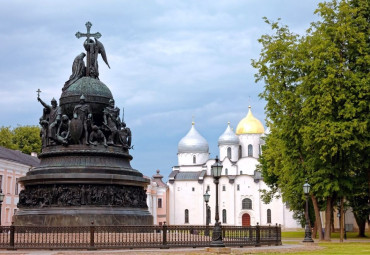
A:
(193, 142)
(228, 137)
(249, 125)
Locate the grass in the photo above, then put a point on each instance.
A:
(300, 234)
(338, 248)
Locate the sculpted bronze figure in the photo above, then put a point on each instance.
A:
(82, 117)
(55, 113)
(97, 137)
(93, 49)
(125, 136)
(112, 122)
(78, 70)
(63, 134)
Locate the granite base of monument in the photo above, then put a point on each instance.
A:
(83, 217)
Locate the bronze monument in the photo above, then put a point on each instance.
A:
(85, 173)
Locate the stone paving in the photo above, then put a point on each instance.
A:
(188, 251)
(283, 249)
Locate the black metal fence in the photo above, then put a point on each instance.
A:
(130, 237)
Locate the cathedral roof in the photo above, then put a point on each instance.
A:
(249, 125)
(193, 142)
(228, 137)
(187, 176)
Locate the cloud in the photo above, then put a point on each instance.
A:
(170, 60)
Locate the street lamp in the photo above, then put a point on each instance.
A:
(2, 195)
(307, 230)
(216, 169)
(206, 200)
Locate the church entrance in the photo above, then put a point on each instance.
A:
(246, 220)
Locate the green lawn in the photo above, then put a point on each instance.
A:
(338, 248)
(300, 234)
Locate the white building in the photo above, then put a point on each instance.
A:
(240, 184)
(13, 165)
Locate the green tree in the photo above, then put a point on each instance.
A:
(6, 138)
(317, 93)
(27, 139)
(24, 138)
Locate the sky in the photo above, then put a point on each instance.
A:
(171, 62)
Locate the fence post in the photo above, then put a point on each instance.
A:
(164, 236)
(258, 236)
(92, 236)
(279, 235)
(11, 237)
(270, 235)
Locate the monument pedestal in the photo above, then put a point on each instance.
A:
(83, 216)
(78, 184)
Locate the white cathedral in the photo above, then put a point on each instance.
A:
(240, 184)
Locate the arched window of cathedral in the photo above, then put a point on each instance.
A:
(224, 216)
(250, 150)
(260, 150)
(186, 216)
(194, 159)
(240, 151)
(226, 171)
(268, 215)
(229, 152)
(246, 203)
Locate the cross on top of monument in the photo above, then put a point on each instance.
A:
(88, 34)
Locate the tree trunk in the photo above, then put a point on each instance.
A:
(317, 217)
(341, 223)
(314, 231)
(332, 220)
(361, 223)
(328, 214)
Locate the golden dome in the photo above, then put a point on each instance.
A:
(250, 125)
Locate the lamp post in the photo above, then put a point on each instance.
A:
(1, 202)
(206, 200)
(307, 230)
(216, 169)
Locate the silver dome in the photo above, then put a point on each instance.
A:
(193, 142)
(228, 137)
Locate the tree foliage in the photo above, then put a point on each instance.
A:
(6, 138)
(24, 138)
(317, 92)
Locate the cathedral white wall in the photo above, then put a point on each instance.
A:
(234, 152)
(290, 223)
(187, 158)
(228, 168)
(247, 165)
(183, 197)
(254, 140)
